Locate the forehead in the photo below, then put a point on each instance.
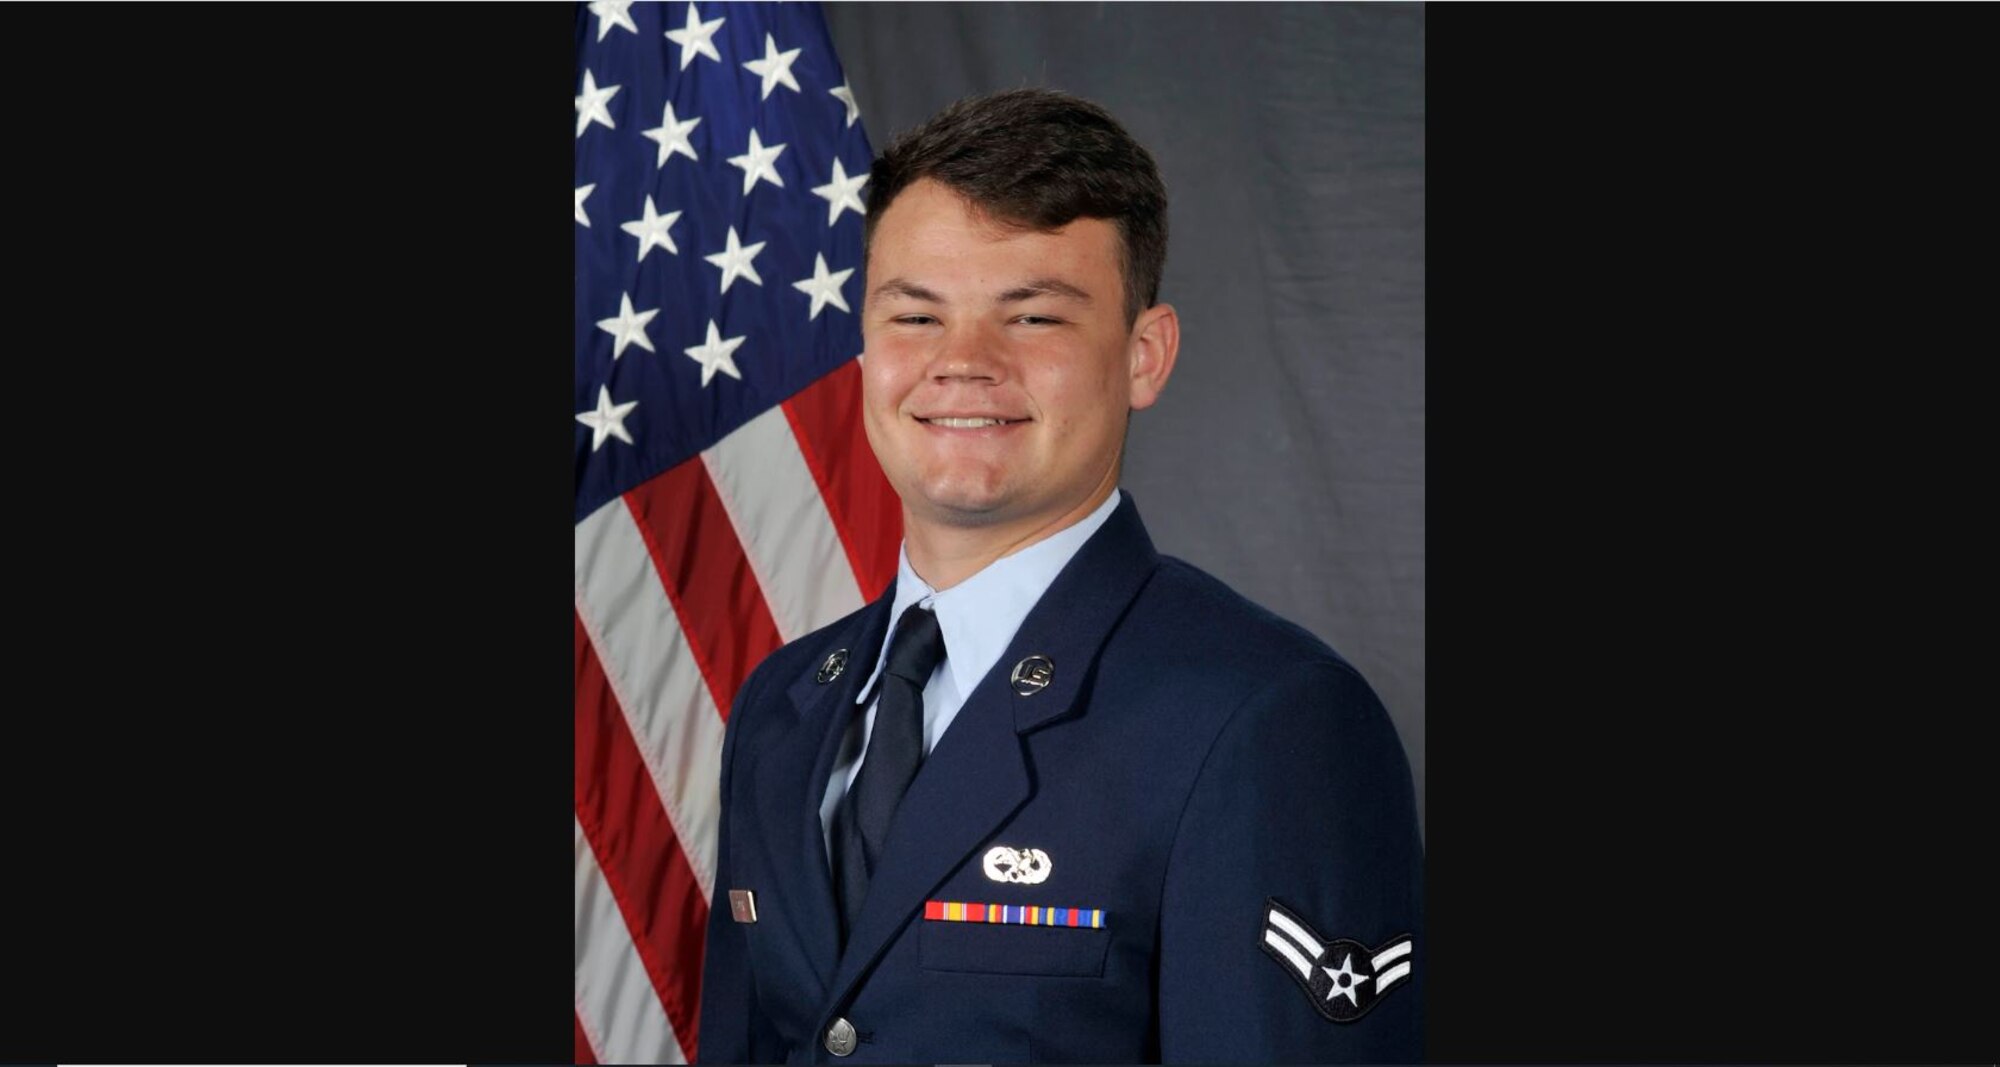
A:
(930, 228)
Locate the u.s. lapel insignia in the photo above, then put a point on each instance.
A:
(1023, 866)
(743, 905)
(1342, 977)
(1032, 675)
(835, 662)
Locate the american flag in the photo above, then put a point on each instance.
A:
(726, 498)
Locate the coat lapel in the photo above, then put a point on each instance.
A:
(977, 775)
(790, 780)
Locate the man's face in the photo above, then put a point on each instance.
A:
(969, 321)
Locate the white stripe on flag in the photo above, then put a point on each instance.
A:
(1304, 968)
(653, 674)
(1395, 951)
(1382, 980)
(1298, 932)
(787, 532)
(614, 998)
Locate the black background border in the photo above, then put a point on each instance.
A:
(1703, 785)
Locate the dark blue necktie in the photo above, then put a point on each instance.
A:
(895, 748)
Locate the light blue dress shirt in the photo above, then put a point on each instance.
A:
(978, 617)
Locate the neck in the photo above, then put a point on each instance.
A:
(944, 555)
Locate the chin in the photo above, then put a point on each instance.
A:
(961, 504)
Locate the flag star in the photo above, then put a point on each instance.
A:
(775, 68)
(608, 420)
(590, 104)
(612, 13)
(735, 260)
(840, 192)
(629, 327)
(581, 192)
(694, 37)
(756, 162)
(672, 134)
(846, 96)
(714, 355)
(824, 288)
(1344, 989)
(652, 230)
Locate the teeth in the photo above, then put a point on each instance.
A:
(966, 424)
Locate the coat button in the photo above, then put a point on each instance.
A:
(840, 1038)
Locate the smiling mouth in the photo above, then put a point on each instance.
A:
(960, 423)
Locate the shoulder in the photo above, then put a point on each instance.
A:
(1199, 656)
(1213, 628)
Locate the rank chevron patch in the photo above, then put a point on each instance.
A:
(1342, 977)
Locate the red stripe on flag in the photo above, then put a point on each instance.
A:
(715, 594)
(636, 847)
(826, 419)
(583, 1054)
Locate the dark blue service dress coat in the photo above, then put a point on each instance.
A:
(1196, 840)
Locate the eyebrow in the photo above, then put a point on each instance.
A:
(903, 287)
(1024, 291)
(1043, 287)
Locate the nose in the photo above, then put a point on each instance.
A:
(967, 351)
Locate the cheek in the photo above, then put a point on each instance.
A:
(890, 368)
(1080, 392)
(880, 381)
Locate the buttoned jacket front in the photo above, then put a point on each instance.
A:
(1191, 762)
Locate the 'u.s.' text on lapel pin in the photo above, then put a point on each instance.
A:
(1342, 977)
(1033, 674)
(743, 905)
(836, 661)
(1022, 866)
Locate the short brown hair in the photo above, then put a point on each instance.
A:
(1040, 159)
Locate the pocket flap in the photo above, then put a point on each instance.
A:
(1001, 948)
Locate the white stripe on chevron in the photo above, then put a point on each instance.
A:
(1284, 947)
(1298, 933)
(1395, 951)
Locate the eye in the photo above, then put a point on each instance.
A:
(1038, 320)
(915, 320)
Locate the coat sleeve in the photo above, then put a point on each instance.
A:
(1305, 799)
(733, 1027)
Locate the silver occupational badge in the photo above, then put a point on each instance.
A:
(1022, 866)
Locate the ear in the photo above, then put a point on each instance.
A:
(1155, 341)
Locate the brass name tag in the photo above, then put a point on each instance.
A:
(743, 905)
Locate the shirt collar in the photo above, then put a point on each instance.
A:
(980, 615)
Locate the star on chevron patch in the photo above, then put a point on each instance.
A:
(1342, 977)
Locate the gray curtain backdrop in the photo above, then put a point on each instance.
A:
(1287, 456)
